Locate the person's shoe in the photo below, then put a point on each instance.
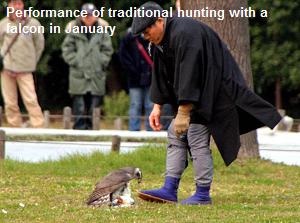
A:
(201, 197)
(166, 194)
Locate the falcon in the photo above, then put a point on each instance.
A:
(113, 189)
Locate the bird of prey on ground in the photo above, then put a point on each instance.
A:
(113, 189)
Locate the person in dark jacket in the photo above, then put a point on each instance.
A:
(194, 71)
(138, 72)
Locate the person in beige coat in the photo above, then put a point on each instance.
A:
(18, 64)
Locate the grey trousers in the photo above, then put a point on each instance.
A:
(197, 141)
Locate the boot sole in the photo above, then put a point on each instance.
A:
(150, 198)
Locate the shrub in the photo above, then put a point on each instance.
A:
(116, 104)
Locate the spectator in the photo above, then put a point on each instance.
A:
(137, 66)
(88, 55)
(167, 114)
(21, 52)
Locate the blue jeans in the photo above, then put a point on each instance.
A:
(83, 106)
(167, 116)
(139, 100)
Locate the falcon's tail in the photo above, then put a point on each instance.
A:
(98, 201)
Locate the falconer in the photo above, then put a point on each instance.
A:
(195, 72)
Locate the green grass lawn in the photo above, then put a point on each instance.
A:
(247, 191)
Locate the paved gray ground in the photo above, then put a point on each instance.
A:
(40, 151)
(278, 147)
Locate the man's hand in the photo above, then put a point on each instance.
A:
(182, 120)
(154, 118)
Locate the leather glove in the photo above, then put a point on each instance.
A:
(182, 119)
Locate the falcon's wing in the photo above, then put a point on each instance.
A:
(109, 184)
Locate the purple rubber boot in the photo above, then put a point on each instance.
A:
(166, 194)
(201, 197)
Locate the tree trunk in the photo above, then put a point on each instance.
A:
(278, 100)
(235, 33)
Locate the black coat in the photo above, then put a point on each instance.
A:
(137, 70)
(193, 65)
